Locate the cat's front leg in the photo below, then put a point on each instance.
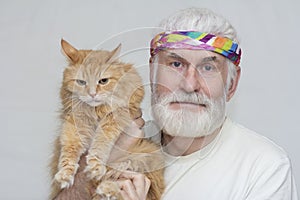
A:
(96, 168)
(108, 189)
(106, 135)
(65, 176)
(97, 156)
(72, 148)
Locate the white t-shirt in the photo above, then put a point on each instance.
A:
(238, 165)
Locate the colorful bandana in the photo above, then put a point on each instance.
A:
(196, 40)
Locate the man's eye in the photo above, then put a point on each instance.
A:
(176, 64)
(208, 68)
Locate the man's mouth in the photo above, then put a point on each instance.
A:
(186, 105)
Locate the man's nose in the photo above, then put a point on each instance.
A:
(191, 80)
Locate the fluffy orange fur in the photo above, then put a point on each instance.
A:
(99, 95)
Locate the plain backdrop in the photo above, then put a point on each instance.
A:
(267, 99)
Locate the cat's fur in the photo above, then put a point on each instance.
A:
(99, 95)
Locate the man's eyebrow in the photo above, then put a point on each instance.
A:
(176, 56)
(182, 59)
(210, 58)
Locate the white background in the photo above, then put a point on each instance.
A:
(267, 100)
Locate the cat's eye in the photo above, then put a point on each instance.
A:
(81, 82)
(103, 81)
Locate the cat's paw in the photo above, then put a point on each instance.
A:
(109, 190)
(65, 176)
(124, 166)
(94, 169)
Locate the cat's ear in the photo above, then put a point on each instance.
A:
(69, 51)
(114, 54)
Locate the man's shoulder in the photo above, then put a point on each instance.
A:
(253, 143)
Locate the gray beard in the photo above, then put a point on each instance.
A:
(185, 123)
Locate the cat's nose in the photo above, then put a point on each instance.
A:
(93, 95)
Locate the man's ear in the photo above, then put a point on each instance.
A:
(234, 83)
(151, 68)
(151, 74)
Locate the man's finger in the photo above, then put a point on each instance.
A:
(139, 122)
(137, 114)
(134, 130)
(140, 182)
(128, 190)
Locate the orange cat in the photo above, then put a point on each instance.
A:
(100, 95)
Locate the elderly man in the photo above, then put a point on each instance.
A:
(194, 71)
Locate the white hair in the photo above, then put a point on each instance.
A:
(186, 123)
(203, 20)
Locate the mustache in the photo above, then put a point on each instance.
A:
(182, 97)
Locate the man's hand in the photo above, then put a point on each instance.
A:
(134, 186)
(128, 138)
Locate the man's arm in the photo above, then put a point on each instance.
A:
(274, 182)
(82, 187)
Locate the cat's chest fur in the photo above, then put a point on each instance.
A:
(88, 117)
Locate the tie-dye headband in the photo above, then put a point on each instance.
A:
(196, 40)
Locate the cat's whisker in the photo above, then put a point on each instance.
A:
(72, 105)
(69, 99)
(76, 104)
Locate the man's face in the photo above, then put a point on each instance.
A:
(189, 91)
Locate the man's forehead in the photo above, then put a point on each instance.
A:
(192, 55)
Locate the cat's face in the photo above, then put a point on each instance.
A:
(91, 76)
(94, 83)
